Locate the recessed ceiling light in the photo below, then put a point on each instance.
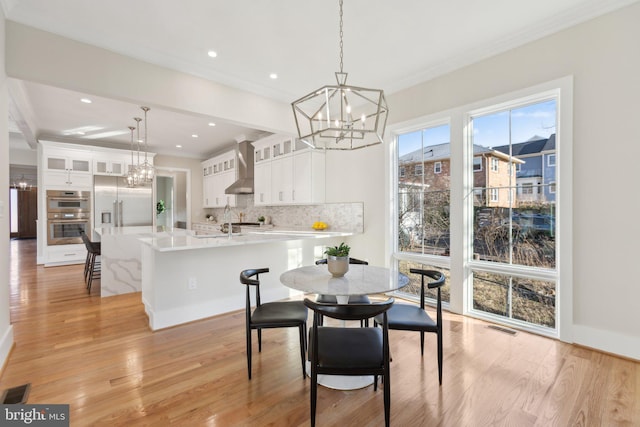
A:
(211, 124)
(212, 53)
(178, 146)
(273, 76)
(85, 100)
(195, 135)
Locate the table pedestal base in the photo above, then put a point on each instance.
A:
(342, 382)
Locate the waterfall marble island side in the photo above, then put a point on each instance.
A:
(184, 277)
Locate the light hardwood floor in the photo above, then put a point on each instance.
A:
(99, 356)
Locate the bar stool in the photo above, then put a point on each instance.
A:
(91, 264)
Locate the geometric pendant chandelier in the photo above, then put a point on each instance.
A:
(341, 117)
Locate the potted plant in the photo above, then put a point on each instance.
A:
(261, 220)
(338, 259)
(160, 207)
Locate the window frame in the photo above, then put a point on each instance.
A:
(437, 167)
(415, 169)
(495, 164)
(479, 169)
(460, 263)
(549, 157)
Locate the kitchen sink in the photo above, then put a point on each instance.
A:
(217, 235)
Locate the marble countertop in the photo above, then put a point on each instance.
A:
(175, 239)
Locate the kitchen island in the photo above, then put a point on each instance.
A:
(186, 277)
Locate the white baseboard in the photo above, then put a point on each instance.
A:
(607, 341)
(6, 344)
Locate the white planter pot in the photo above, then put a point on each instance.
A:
(338, 265)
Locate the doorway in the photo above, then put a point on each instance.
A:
(172, 188)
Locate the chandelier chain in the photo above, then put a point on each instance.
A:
(341, 44)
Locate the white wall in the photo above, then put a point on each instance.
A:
(6, 330)
(602, 55)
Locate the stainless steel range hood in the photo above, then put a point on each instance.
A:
(244, 183)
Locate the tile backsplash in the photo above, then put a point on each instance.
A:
(339, 216)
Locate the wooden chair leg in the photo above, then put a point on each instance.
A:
(259, 340)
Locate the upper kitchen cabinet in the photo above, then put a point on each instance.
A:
(218, 173)
(287, 171)
(262, 171)
(71, 166)
(110, 166)
(66, 168)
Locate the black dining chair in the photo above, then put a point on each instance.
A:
(353, 299)
(350, 351)
(408, 317)
(91, 264)
(278, 314)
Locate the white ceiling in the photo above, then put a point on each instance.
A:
(388, 44)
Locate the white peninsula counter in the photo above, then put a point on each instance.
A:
(185, 277)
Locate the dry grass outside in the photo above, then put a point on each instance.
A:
(533, 301)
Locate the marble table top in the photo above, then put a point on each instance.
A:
(359, 280)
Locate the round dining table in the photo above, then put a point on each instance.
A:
(361, 279)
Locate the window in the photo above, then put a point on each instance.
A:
(477, 164)
(494, 164)
(507, 219)
(402, 172)
(437, 167)
(511, 233)
(551, 160)
(422, 205)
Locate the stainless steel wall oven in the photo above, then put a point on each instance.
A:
(68, 216)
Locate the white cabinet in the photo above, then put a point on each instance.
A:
(218, 173)
(262, 184)
(287, 171)
(309, 176)
(282, 181)
(65, 254)
(67, 169)
(115, 167)
(63, 161)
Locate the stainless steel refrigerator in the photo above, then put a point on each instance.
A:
(116, 205)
